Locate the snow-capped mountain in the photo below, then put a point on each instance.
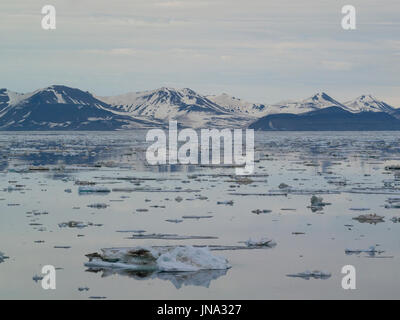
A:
(184, 105)
(63, 108)
(316, 102)
(370, 104)
(59, 108)
(239, 106)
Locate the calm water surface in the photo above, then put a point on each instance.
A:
(346, 169)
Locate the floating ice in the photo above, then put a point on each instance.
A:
(228, 203)
(72, 224)
(168, 236)
(369, 218)
(37, 278)
(307, 275)
(371, 251)
(162, 259)
(318, 202)
(262, 242)
(94, 190)
(98, 206)
(174, 220)
(2, 257)
(197, 217)
(259, 211)
(178, 199)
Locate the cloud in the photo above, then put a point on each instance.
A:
(337, 65)
(183, 4)
(265, 45)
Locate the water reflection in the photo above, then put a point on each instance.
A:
(202, 278)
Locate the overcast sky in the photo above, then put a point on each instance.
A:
(259, 50)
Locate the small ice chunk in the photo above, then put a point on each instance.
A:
(370, 218)
(262, 242)
(371, 251)
(37, 278)
(178, 199)
(98, 206)
(3, 257)
(72, 224)
(311, 274)
(88, 189)
(228, 203)
(174, 220)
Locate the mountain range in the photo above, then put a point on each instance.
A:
(60, 107)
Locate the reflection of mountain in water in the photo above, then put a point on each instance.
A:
(200, 278)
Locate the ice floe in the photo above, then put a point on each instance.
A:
(163, 259)
(3, 257)
(369, 218)
(370, 251)
(307, 275)
(83, 190)
(262, 242)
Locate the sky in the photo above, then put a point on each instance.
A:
(258, 50)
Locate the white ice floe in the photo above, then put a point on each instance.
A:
(161, 259)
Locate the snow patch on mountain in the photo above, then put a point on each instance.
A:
(370, 104)
(184, 105)
(239, 106)
(316, 102)
(61, 107)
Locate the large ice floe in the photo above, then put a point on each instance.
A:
(181, 265)
(161, 259)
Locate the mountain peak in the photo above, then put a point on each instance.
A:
(369, 103)
(320, 96)
(165, 103)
